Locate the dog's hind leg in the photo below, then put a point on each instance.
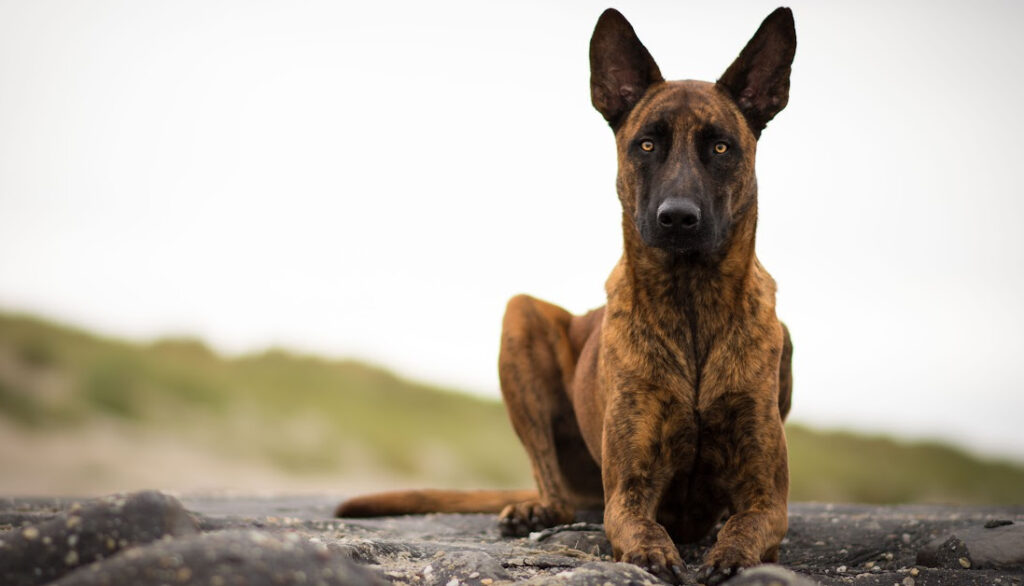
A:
(785, 374)
(536, 365)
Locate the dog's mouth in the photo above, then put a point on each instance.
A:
(687, 245)
(691, 253)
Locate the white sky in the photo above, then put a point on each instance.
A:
(375, 181)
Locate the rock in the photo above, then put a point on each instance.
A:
(250, 557)
(770, 575)
(465, 567)
(248, 535)
(594, 543)
(86, 533)
(599, 574)
(995, 546)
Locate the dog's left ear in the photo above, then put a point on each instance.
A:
(758, 80)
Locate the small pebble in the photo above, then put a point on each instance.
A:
(840, 569)
(908, 581)
(74, 521)
(487, 581)
(914, 571)
(30, 533)
(905, 538)
(965, 563)
(72, 558)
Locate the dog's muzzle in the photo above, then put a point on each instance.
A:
(677, 225)
(678, 216)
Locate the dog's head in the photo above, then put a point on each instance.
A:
(686, 148)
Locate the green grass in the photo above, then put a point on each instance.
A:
(305, 414)
(843, 466)
(301, 413)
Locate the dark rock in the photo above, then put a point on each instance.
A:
(993, 546)
(85, 533)
(945, 552)
(250, 557)
(466, 567)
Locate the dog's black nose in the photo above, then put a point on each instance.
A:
(678, 214)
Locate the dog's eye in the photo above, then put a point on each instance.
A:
(721, 147)
(647, 145)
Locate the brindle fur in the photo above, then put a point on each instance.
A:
(666, 405)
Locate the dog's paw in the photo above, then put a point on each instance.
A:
(521, 519)
(723, 564)
(662, 561)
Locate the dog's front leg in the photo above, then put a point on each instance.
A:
(637, 466)
(759, 485)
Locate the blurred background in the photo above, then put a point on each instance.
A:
(266, 246)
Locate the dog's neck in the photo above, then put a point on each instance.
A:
(702, 284)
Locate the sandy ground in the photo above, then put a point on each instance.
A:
(112, 457)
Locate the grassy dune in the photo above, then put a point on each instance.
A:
(303, 415)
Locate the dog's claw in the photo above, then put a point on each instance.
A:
(672, 574)
(678, 572)
(713, 575)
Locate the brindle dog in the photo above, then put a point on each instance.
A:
(666, 405)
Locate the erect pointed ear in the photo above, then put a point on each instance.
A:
(758, 80)
(621, 69)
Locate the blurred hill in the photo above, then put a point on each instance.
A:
(85, 414)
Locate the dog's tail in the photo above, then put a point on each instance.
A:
(413, 502)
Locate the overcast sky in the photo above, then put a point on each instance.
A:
(376, 179)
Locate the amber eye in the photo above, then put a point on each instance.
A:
(721, 147)
(647, 146)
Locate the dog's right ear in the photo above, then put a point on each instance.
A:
(621, 68)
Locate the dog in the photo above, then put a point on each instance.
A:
(665, 407)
